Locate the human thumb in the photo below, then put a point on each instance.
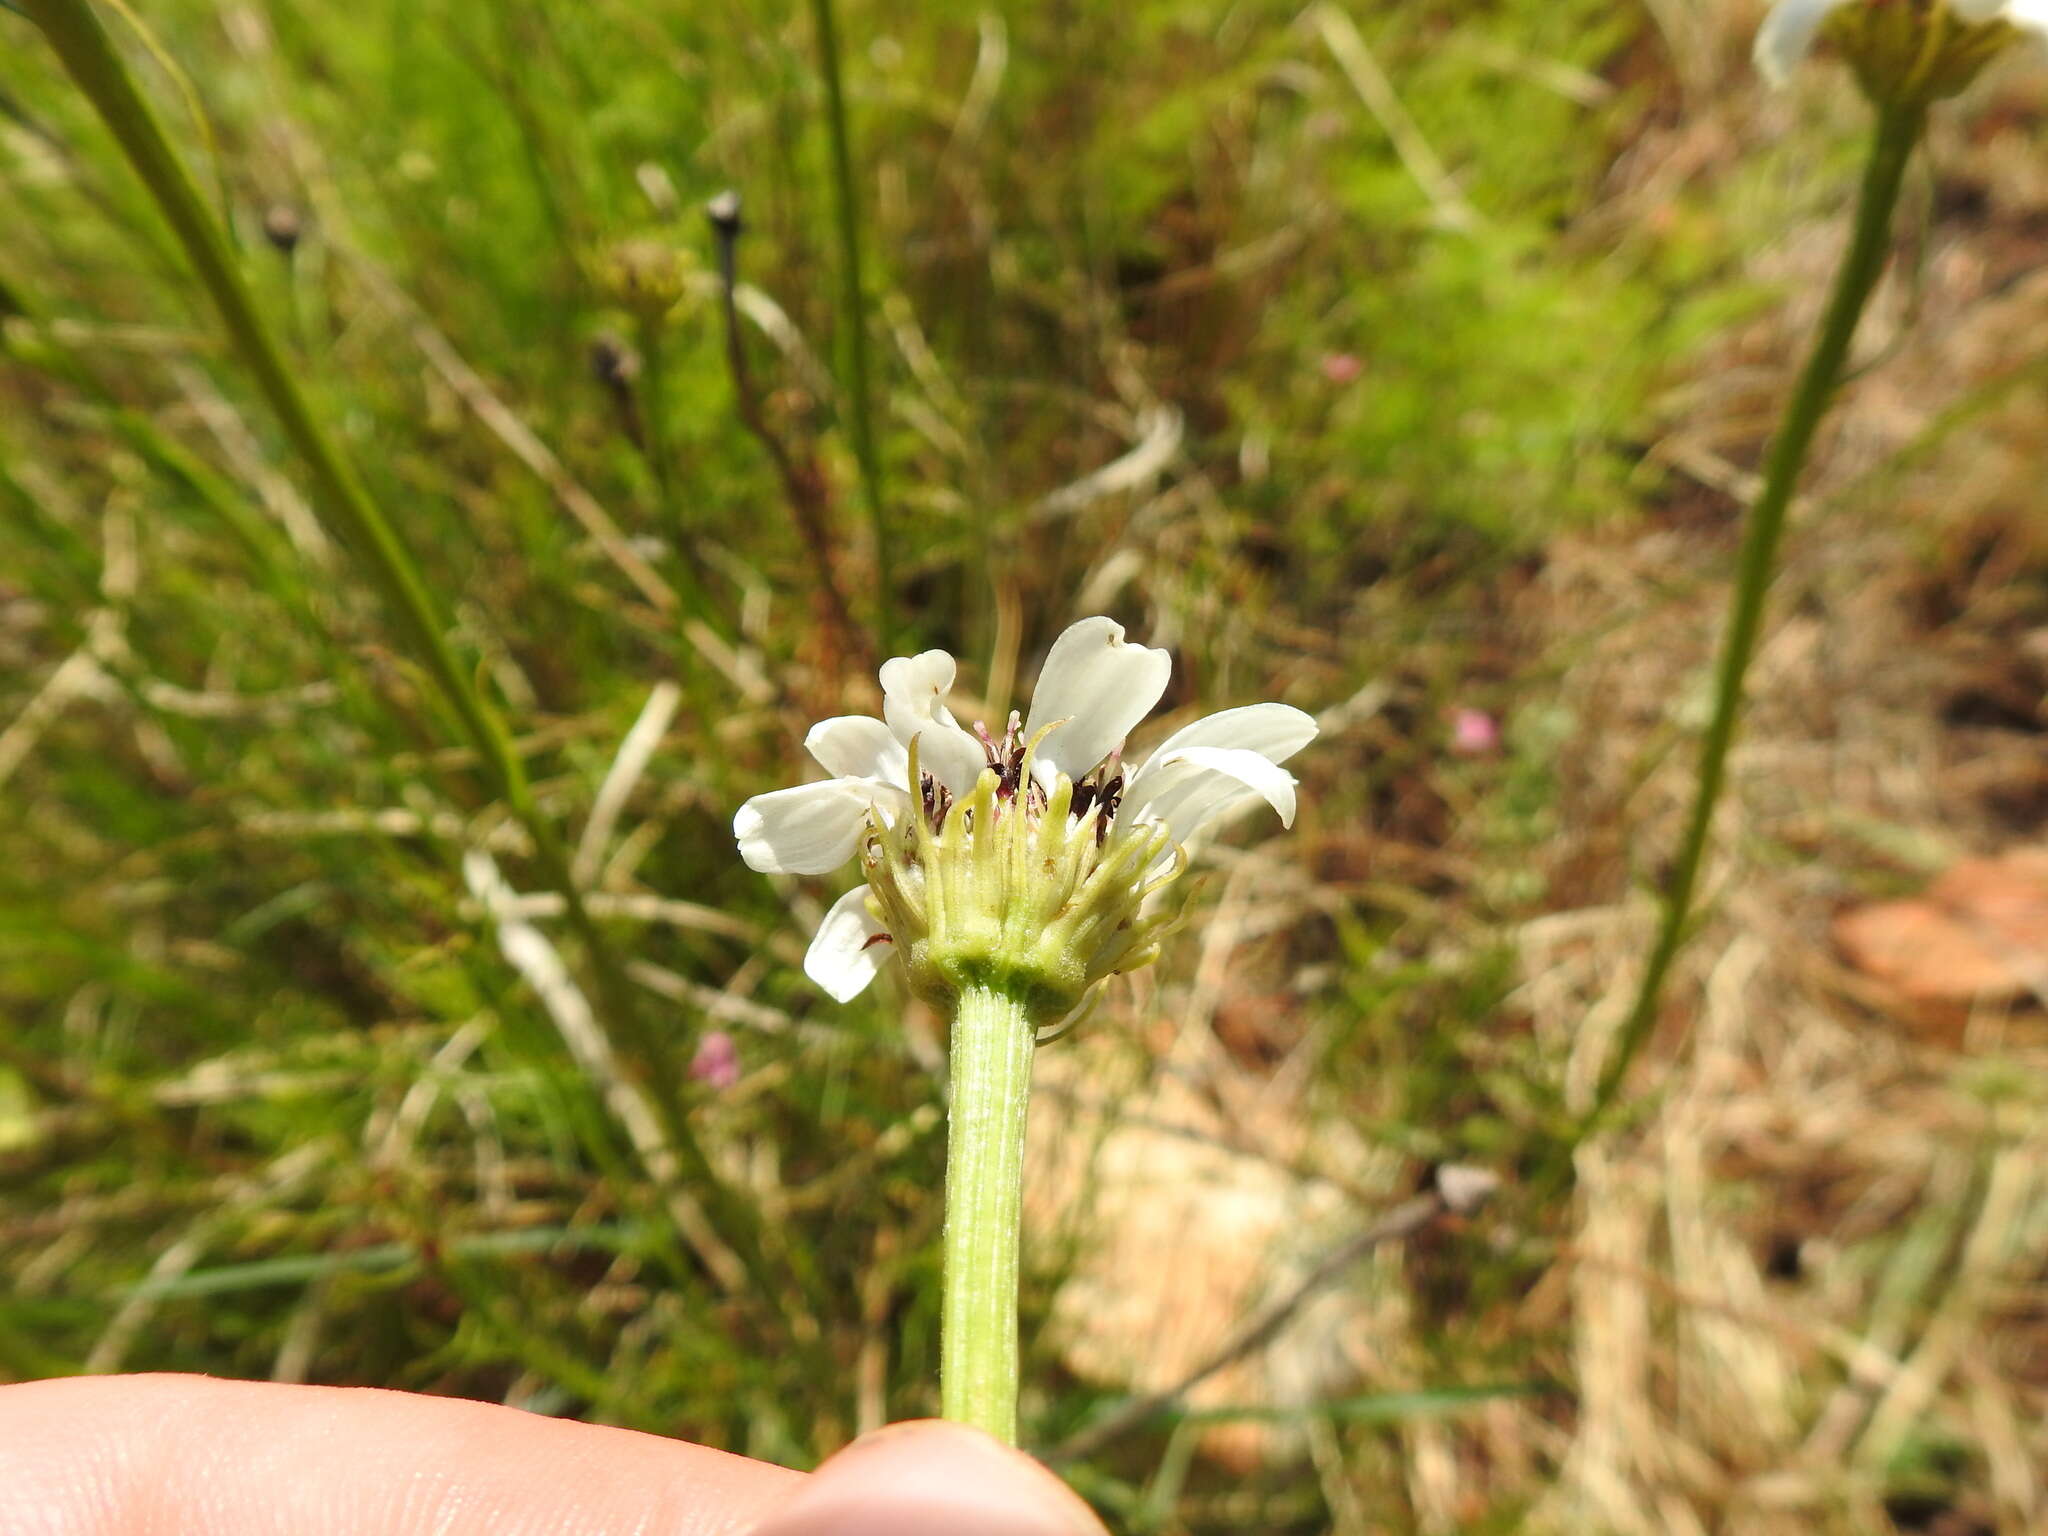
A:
(926, 1478)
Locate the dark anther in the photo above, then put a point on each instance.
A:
(937, 801)
(1112, 797)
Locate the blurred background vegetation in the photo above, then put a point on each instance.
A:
(1407, 363)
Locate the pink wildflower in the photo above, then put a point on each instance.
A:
(717, 1061)
(1474, 733)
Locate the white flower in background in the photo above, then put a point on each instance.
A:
(1907, 52)
(1022, 862)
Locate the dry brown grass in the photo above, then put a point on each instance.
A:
(1816, 1263)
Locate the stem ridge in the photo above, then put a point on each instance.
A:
(991, 1087)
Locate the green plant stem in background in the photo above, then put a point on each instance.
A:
(853, 323)
(1891, 147)
(993, 1038)
(89, 57)
(655, 449)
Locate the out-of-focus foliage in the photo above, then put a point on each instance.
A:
(1378, 358)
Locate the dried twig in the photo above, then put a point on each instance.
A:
(1458, 1190)
(634, 754)
(509, 428)
(1341, 36)
(534, 957)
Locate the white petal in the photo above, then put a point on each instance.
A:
(1100, 685)
(809, 830)
(2027, 15)
(927, 673)
(1275, 731)
(1787, 36)
(841, 959)
(1193, 784)
(858, 747)
(914, 703)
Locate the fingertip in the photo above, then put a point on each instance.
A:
(926, 1478)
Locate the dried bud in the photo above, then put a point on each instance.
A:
(282, 227)
(612, 363)
(724, 213)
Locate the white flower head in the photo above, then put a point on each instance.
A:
(1022, 861)
(1904, 52)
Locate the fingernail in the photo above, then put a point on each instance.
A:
(929, 1477)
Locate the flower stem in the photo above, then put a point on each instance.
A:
(1892, 142)
(853, 320)
(991, 1066)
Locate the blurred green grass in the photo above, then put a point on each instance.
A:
(270, 1099)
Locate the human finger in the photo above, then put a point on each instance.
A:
(126, 1455)
(930, 1478)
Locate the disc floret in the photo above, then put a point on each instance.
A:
(1028, 890)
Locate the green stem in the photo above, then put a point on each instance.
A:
(654, 428)
(85, 50)
(658, 452)
(991, 1085)
(853, 321)
(1891, 147)
(89, 57)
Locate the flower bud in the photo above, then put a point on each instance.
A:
(1913, 52)
(1905, 53)
(647, 278)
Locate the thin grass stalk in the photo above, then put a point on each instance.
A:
(853, 323)
(657, 452)
(1896, 133)
(654, 439)
(804, 487)
(89, 57)
(508, 75)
